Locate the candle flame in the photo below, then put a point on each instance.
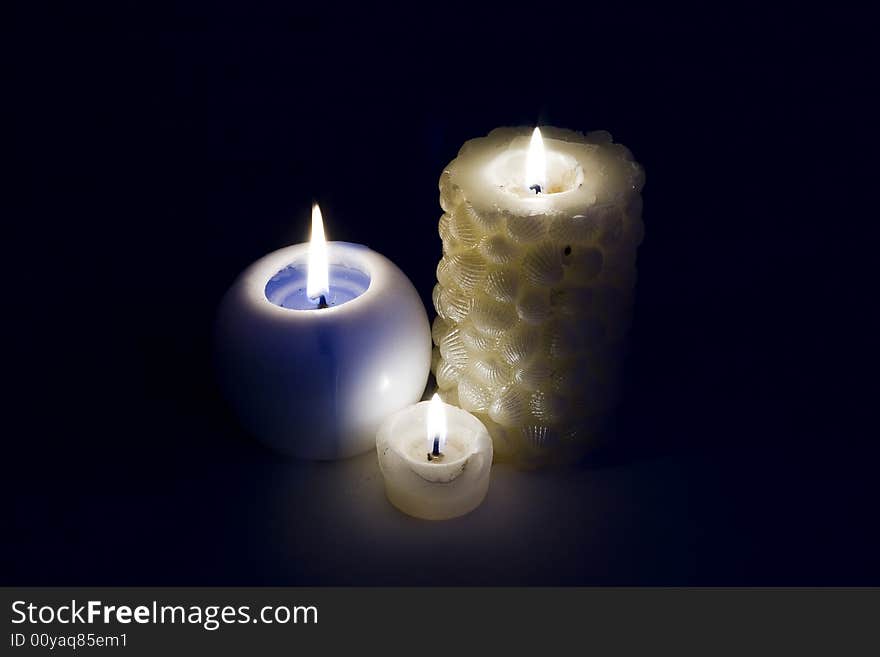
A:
(536, 163)
(436, 422)
(317, 282)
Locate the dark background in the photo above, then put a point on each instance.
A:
(155, 156)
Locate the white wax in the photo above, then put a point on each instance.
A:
(535, 287)
(316, 383)
(489, 174)
(434, 489)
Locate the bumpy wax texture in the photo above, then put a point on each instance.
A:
(533, 306)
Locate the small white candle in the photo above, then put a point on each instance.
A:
(318, 343)
(435, 459)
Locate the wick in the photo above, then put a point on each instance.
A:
(536, 187)
(322, 302)
(435, 453)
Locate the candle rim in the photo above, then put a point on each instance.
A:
(602, 161)
(358, 256)
(301, 270)
(430, 471)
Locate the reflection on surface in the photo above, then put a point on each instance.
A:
(335, 525)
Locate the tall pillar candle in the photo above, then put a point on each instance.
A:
(534, 293)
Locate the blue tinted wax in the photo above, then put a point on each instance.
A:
(287, 288)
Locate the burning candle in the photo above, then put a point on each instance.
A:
(435, 459)
(535, 285)
(318, 343)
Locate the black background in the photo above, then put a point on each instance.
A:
(155, 156)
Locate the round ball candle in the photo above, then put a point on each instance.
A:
(435, 459)
(535, 285)
(318, 343)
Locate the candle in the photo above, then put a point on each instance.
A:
(318, 343)
(535, 286)
(435, 459)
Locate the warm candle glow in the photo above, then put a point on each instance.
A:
(436, 424)
(536, 164)
(318, 283)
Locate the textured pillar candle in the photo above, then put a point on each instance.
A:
(535, 285)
